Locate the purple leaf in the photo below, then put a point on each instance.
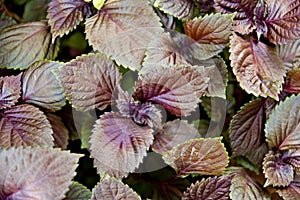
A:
(282, 21)
(173, 133)
(123, 29)
(210, 188)
(36, 173)
(256, 156)
(292, 192)
(257, 66)
(292, 84)
(169, 88)
(6, 21)
(16, 41)
(78, 191)
(276, 171)
(113, 189)
(10, 91)
(198, 156)
(243, 20)
(65, 15)
(282, 129)
(118, 145)
(182, 9)
(89, 81)
(24, 125)
(40, 86)
(290, 54)
(292, 156)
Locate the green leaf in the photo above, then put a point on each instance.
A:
(10, 91)
(35, 10)
(40, 86)
(77, 191)
(282, 129)
(182, 9)
(198, 156)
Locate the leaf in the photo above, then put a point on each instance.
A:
(173, 133)
(6, 21)
(292, 192)
(292, 84)
(118, 145)
(16, 44)
(60, 132)
(198, 156)
(36, 173)
(10, 91)
(98, 3)
(65, 15)
(257, 66)
(40, 86)
(244, 187)
(282, 129)
(211, 31)
(292, 157)
(277, 172)
(282, 21)
(123, 29)
(113, 189)
(77, 191)
(35, 10)
(256, 156)
(246, 128)
(290, 54)
(89, 81)
(210, 188)
(169, 88)
(182, 9)
(243, 20)
(24, 125)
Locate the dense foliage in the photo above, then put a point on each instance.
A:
(149, 99)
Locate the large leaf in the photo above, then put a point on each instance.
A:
(16, 44)
(169, 88)
(173, 133)
(182, 9)
(24, 125)
(210, 188)
(243, 20)
(290, 54)
(244, 187)
(118, 145)
(211, 31)
(282, 21)
(257, 66)
(10, 91)
(36, 173)
(78, 191)
(65, 15)
(292, 84)
(277, 172)
(282, 128)
(40, 86)
(113, 189)
(246, 128)
(198, 156)
(89, 81)
(292, 192)
(123, 29)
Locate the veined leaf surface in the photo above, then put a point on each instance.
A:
(10, 91)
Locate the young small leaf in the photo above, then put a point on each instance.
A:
(113, 189)
(182, 9)
(211, 31)
(36, 173)
(292, 84)
(173, 133)
(10, 91)
(257, 66)
(40, 86)
(65, 15)
(292, 192)
(123, 29)
(198, 156)
(24, 125)
(282, 129)
(78, 191)
(118, 145)
(16, 44)
(282, 21)
(290, 54)
(89, 81)
(210, 188)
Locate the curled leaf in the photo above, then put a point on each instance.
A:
(182, 9)
(10, 91)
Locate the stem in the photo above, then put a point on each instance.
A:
(4, 9)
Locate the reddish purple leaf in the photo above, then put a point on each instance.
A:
(256, 156)
(10, 91)
(292, 156)
(89, 81)
(24, 125)
(292, 192)
(182, 9)
(78, 191)
(282, 21)
(292, 84)
(210, 188)
(36, 173)
(118, 145)
(257, 66)
(290, 54)
(65, 15)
